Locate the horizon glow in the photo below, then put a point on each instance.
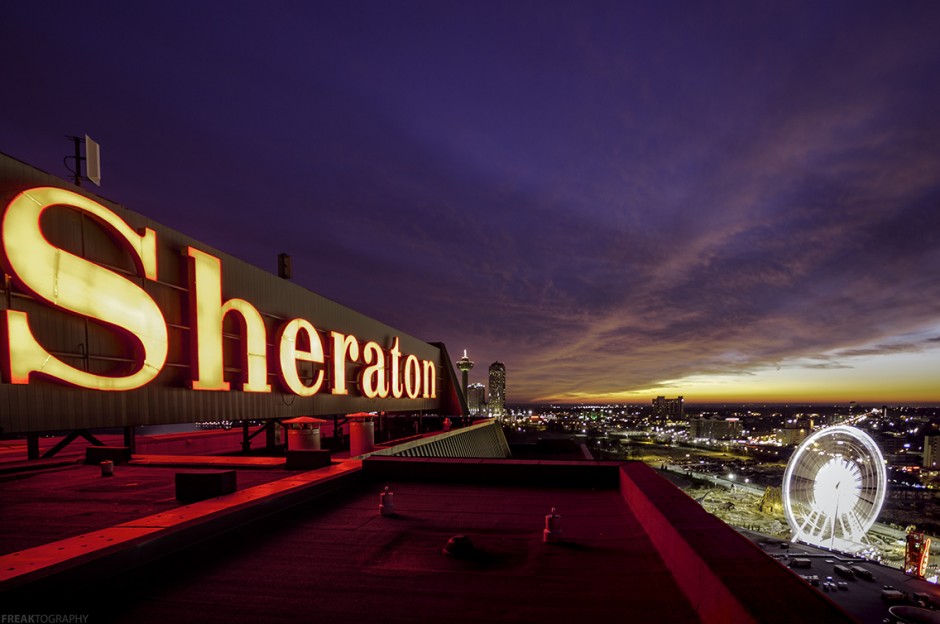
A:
(908, 378)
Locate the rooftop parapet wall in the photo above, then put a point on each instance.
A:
(725, 576)
(525, 472)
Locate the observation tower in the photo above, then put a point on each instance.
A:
(464, 364)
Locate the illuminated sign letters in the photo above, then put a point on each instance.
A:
(208, 312)
(924, 557)
(290, 354)
(71, 283)
(372, 379)
(68, 282)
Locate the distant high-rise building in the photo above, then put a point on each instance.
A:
(476, 397)
(794, 431)
(715, 428)
(464, 364)
(932, 452)
(668, 409)
(497, 404)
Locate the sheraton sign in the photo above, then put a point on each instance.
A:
(68, 282)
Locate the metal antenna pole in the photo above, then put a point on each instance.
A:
(78, 159)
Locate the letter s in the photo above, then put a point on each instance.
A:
(71, 283)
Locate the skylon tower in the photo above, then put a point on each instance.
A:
(464, 364)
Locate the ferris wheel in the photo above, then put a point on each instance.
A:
(834, 487)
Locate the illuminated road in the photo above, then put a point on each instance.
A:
(862, 598)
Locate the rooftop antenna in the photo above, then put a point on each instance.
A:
(92, 159)
(284, 266)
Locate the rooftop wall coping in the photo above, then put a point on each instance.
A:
(722, 572)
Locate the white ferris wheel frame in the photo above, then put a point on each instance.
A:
(836, 466)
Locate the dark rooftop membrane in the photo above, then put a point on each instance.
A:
(48, 505)
(633, 548)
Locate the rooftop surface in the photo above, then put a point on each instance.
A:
(313, 545)
(67, 500)
(340, 561)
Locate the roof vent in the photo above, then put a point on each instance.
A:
(552, 532)
(387, 502)
(460, 546)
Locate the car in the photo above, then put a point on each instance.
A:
(892, 595)
(843, 585)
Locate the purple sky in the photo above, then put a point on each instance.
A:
(615, 199)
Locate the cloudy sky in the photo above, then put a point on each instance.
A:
(617, 199)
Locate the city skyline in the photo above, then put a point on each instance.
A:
(735, 204)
